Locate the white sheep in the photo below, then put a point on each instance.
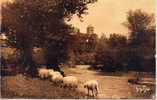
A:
(43, 73)
(54, 73)
(50, 72)
(70, 82)
(57, 78)
(92, 86)
(57, 73)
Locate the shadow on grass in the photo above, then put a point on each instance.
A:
(7, 73)
(19, 87)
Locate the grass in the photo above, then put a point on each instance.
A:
(24, 87)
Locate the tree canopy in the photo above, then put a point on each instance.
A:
(29, 23)
(139, 24)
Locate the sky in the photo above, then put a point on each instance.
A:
(107, 16)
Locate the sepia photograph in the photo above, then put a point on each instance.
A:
(77, 49)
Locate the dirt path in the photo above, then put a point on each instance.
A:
(109, 86)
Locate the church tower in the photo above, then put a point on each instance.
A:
(90, 29)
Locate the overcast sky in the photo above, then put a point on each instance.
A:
(107, 15)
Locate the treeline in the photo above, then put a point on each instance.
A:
(118, 52)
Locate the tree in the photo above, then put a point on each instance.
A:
(111, 52)
(28, 23)
(117, 40)
(117, 45)
(84, 48)
(138, 23)
(142, 39)
(101, 47)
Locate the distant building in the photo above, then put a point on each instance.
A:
(90, 29)
(83, 46)
(87, 41)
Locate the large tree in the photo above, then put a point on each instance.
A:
(142, 39)
(111, 52)
(139, 23)
(40, 22)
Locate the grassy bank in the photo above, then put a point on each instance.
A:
(24, 87)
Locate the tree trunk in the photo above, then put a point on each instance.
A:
(29, 65)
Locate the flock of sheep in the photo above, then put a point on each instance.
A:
(70, 82)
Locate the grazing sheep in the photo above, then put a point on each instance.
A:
(54, 73)
(57, 78)
(43, 73)
(93, 86)
(50, 72)
(70, 82)
(57, 73)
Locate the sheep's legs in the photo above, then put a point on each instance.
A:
(71, 87)
(92, 92)
(88, 92)
(74, 87)
(96, 91)
(41, 76)
(62, 85)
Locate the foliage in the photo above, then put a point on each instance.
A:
(142, 40)
(84, 48)
(32, 23)
(110, 52)
(139, 23)
(136, 53)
